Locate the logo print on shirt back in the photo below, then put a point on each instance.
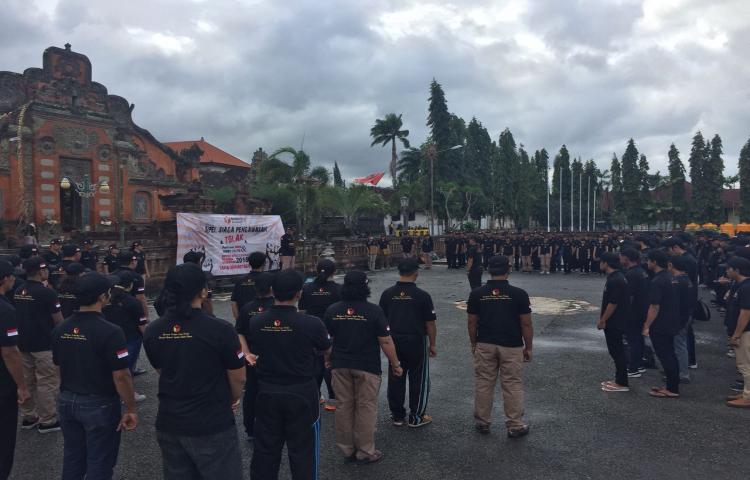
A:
(176, 328)
(403, 294)
(260, 309)
(277, 323)
(322, 290)
(495, 292)
(76, 330)
(350, 311)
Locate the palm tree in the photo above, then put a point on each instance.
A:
(388, 130)
(350, 202)
(409, 166)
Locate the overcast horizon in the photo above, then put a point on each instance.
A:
(248, 74)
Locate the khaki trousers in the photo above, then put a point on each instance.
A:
(356, 411)
(743, 362)
(43, 382)
(373, 260)
(286, 262)
(489, 361)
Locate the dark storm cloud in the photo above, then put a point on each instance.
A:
(246, 74)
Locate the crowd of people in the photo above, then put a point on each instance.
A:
(72, 328)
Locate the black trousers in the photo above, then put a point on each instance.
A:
(286, 414)
(691, 345)
(475, 278)
(617, 352)
(324, 374)
(664, 349)
(584, 264)
(414, 358)
(486, 258)
(568, 259)
(249, 399)
(8, 427)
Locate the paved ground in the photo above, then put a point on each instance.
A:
(577, 431)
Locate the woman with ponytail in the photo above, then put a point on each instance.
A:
(316, 297)
(201, 375)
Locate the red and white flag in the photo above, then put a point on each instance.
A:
(12, 332)
(372, 179)
(122, 353)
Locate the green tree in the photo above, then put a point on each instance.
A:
(561, 175)
(439, 121)
(337, 180)
(540, 186)
(714, 177)
(744, 169)
(351, 202)
(591, 175)
(677, 181)
(697, 162)
(576, 170)
(631, 183)
(478, 162)
(388, 130)
(615, 172)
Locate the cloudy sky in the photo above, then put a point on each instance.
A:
(251, 73)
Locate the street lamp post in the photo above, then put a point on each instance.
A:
(432, 153)
(404, 217)
(86, 190)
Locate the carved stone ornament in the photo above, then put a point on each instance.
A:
(75, 139)
(105, 153)
(47, 145)
(11, 91)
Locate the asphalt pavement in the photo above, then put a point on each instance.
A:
(577, 431)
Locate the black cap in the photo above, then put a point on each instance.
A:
(33, 265)
(126, 277)
(326, 266)
(87, 241)
(136, 244)
(124, 258)
(69, 249)
(74, 268)
(93, 284)
(356, 278)
(28, 251)
(56, 241)
(498, 265)
(193, 257)
(287, 282)
(187, 279)
(113, 246)
(407, 266)
(6, 269)
(612, 259)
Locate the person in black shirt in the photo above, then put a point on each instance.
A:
(127, 262)
(70, 254)
(127, 313)
(662, 323)
(53, 257)
(686, 294)
(638, 284)
(38, 311)
(474, 264)
(359, 330)
(286, 343)
(244, 290)
(316, 297)
(94, 380)
(66, 291)
(201, 374)
(488, 250)
(262, 302)
(738, 269)
(372, 253)
(111, 263)
(501, 336)
(428, 246)
(407, 244)
(287, 250)
(141, 266)
(385, 251)
(89, 257)
(198, 258)
(676, 246)
(613, 319)
(28, 251)
(13, 389)
(450, 251)
(411, 317)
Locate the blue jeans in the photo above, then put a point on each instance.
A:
(215, 456)
(681, 350)
(89, 426)
(134, 350)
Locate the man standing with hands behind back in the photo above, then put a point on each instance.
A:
(500, 334)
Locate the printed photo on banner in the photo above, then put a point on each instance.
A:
(227, 240)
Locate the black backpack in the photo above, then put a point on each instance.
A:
(701, 312)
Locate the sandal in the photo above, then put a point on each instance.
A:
(663, 393)
(376, 457)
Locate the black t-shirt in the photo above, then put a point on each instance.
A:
(286, 343)
(68, 303)
(488, 246)
(499, 306)
(526, 247)
(35, 305)
(112, 264)
(743, 300)
(384, 244)
(140, 266)
(638, 287)
(406, 244)
(287, 246)
(88, 349)
(8, 338)
(139, 287)
(428, 245)
(616, 292)
(664, 294)
(686, 295)
(407, 308)
(244, 290)
(89, 259)
(193, 353)
(259, 305)
(692, 269)
(127, 313)
(474, 253)
(52, 259)
(316, 298)
(355, 327)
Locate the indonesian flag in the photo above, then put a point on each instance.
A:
(122, 353)
(373, 178)
(12, 332)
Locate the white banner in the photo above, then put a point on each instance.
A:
(227, 240)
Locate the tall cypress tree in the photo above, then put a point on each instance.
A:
(715, 182)
(541, 167)
(590, 183)
(337, 180)
(697, 165)
(677, 181)
(439, 121)
(744, 169)
(561, 170)
(615, 172)
(576, 169)
(631, 183)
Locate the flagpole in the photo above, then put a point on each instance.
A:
(546, 181)
(580, 197)
(588, 205)
(595, 188)
(571, 198)
(560, 171)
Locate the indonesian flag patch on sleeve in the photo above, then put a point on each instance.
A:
(12, 332)
(122, 353)
(240, 354)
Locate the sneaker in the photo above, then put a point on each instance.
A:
(139, 397)
(693, 366)
(416, 423)
(329, 407)
(518, 432)
(483, 429)
(730, 353)
(641, 370)
(29, 424)
(139, 371)
(398, 422)
(737, 386)
(52, 427)
(613, 387)
(636, 374)
(739, 403)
